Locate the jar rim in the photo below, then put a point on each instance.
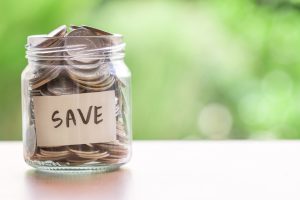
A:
(46, 47)
(41, 36)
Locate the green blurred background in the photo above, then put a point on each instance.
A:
(210, 69)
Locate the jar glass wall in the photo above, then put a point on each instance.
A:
(76, 103)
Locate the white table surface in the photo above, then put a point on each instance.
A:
(168, 170)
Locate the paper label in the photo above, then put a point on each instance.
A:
(75, 119)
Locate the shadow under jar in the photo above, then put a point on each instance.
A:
(76, 103)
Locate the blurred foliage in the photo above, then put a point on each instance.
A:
(201, 69)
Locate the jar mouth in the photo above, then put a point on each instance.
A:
(30, 38)
(43, 47)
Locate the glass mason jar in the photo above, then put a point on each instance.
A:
(76, 103)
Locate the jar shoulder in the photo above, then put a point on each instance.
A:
(122, 70)
(26, 73)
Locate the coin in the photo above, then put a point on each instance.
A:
(94, 156)
(50, 40)
(44, 78)
(96, 31)
(76, 37)
(60, 31)
(106, 41)
(62, 86)
(97, 88)
(88, 74)
(100, 82)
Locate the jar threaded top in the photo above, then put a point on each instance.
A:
(83, 45)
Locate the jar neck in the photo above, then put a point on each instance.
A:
(88, 50)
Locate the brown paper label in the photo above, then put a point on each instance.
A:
(75, 119)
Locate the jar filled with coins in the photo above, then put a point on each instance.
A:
(76, 108)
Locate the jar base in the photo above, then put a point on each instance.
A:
(99, 168)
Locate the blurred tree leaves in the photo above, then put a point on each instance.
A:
(185, 56)
(19, 19)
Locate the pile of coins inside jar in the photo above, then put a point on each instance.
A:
(83, 67)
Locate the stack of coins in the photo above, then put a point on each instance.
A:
(82, 68)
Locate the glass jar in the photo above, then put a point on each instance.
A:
(76, 103)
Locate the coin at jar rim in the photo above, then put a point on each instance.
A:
(105, 42)
(100, 42)
(96, 31)
(48, 43)
(73, 27)
(49, 46)
(50, 39)
(76, 37)
(60, 31)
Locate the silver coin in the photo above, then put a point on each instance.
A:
(59, 31)
(35, 93)
(73, 27)
(50, 39)
(100, 82)
(94, 156)
(102, 41)
(97, 88)
(49, 158)
(44, 78)
(52, 153)
(105, 41)
(88, 74)
(81, 152)
(97, 32)
(76, 37)
(62, 86)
